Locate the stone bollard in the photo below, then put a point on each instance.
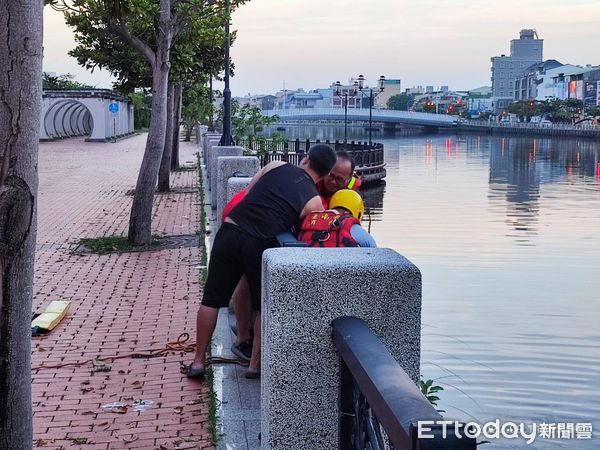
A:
(213, 154)
(303, 291)
(211, 142)
(236, 184)
(228, 166)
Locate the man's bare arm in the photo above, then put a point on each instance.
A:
(314, 204)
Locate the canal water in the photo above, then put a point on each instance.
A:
(506, 233)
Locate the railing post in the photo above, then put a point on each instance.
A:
(346, 407)
(307, 145)
(300, 383)
(297, 146)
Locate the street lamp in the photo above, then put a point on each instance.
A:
(372, 95)
(226, 138)
(211, 123)
(345, 97)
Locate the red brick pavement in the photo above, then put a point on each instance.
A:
(120, 303)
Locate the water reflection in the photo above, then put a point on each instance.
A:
(506, 234)
(373, 197)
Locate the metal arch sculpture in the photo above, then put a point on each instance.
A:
(67, 118)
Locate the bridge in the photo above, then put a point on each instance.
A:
(386, 116)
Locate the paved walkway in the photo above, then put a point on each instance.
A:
(120, 303)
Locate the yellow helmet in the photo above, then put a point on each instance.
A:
(350, 200)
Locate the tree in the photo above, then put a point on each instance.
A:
(247, 120)
(196, 107)
(20, 109)
(64, 82)
(400, 102)
(523, 109)
(151, 28)
(593, 112)
(141, 109)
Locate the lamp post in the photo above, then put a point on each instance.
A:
(345, 97)
(372, 95)
(211, 123)
(226, 138)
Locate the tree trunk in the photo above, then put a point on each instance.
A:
(165, 163)
(20, 108)
(176, 128)
(140, 222)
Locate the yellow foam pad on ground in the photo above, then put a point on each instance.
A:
(54, 313)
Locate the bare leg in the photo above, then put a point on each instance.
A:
(205, 326)
(255, 360)
(242, 309)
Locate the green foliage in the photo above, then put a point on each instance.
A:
(247, 121)
(141, 107)
(111, 244)
(400, 102)
(64, 82)
(429, 107)
(196, 51)
(555, 110)
(196, 106)
(429, 390)
(278, 141)
(523, 109)
(593, 112)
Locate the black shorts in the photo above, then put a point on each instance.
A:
(234, 253)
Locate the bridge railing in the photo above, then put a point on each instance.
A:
(368, 158)
(380, 405)
(362, 114)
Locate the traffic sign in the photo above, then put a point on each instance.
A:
(113, 108)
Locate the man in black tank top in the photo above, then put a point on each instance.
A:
(279, 196)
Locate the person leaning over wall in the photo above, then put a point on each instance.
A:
(279, 196)
(341, 177)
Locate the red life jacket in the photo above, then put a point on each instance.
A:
(328, 229)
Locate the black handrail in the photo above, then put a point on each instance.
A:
(394, 400)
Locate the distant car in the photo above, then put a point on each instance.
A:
(545, 123)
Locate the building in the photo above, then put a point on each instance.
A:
(354, 98)
(442, 100)
(479, 100)
(391, 87)
(524, 52)
(549, 83)
(415, 90)
(261, 101)
(526, 85)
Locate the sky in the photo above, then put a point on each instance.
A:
(312, 43)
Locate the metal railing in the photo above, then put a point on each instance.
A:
(533, 125)
(375, 413)
(368, 158)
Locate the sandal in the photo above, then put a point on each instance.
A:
(252, 374)
(195, 373)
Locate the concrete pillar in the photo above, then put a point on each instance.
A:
(211, 141)
(227, 167)
(235, 185)
(213, 154)
(303, 290)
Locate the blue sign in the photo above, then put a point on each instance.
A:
(113, 108)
